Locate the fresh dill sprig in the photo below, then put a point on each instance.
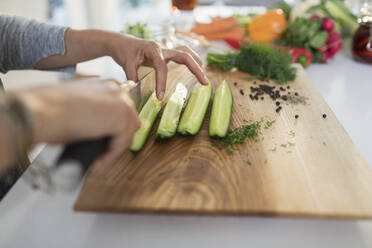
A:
(258, 60)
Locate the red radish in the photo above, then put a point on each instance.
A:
(327, 55)
(328, 24)
(333, 37)
(314, 17)
(335, 48)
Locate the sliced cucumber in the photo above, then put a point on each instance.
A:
(171, 114)
(219, 122)
(193, 116)
(147, 117)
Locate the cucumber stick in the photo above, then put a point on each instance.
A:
(219, 122)
(147, 117)
(193, 116)
(171, 114)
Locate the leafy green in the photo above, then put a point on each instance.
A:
(285, 7)
(299, 32)
(259, 60)
(319, 39)
(346, 22)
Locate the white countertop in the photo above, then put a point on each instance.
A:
(34, 219)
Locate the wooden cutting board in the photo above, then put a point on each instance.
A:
(305, 167)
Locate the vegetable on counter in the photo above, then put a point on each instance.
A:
(345, 21)
(171, 114)
(259, 60)
(219, 121)
(216, 26)
(147, 117)
(315, 34)
(267, 27)
(196, 108)
(220, 28)
(299, 55)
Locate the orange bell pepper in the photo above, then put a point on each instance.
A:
(267, 27)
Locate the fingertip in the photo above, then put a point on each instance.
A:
(160, 95)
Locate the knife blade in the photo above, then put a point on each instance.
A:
(77, 157)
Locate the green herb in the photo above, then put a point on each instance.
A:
(307, 34)
(273, 150)
(237, 136)
(248, 162)
(285, 7)
(283, 145)
(299, 32)
(258, 60)
(291, 144)
(268, 124)
(324, 144)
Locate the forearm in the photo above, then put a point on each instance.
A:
(80, 45)
(24, 42)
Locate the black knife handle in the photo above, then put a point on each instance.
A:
(83, 152)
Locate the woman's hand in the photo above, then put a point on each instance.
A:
(131, 52)
(128, 51)
(82, 110)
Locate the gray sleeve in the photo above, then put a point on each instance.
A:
(25, 42)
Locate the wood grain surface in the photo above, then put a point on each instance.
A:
(305, 167)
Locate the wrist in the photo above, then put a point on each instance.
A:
(114, 43)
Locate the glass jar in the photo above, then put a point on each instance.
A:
(362, 40)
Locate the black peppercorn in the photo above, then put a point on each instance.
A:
(277, 103)
(296, 116)
(324, 116)
(235, 83)
(296, 94)
(241, 92)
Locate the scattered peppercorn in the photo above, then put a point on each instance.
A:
(324, 116)
(277, 103)
(235, 83)
(296, 116)
(285, 98)
(262, 98)
(296, 94)
(281, 88)
(241, 92)
(288, 87)
(278, 109)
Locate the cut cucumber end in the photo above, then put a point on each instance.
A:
(147, 117)
(171, 114)
(219, 122)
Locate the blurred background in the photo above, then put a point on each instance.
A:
(115, 15)
(109, 15)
